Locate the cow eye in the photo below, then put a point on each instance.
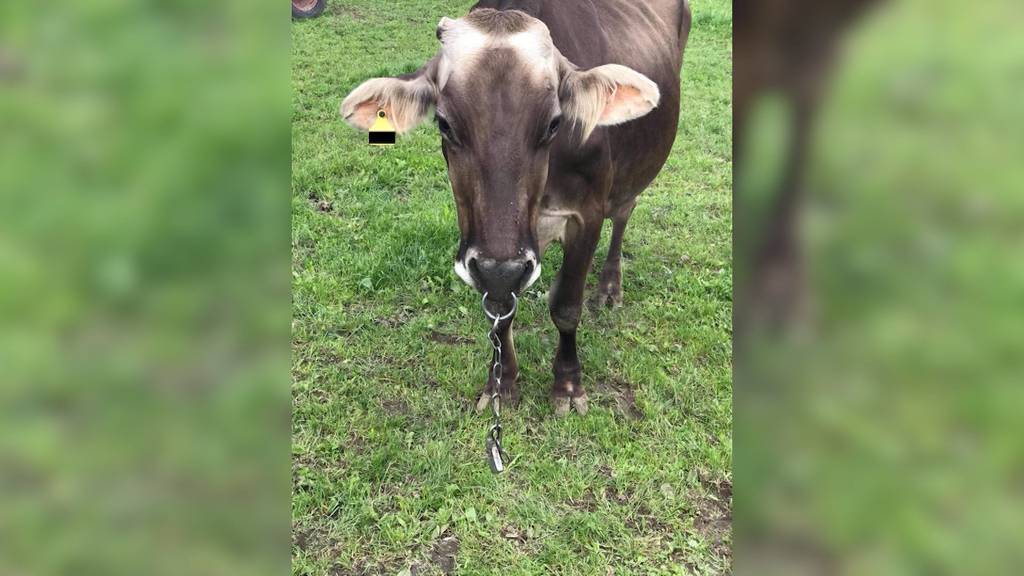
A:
(443, 126)
(553, 127)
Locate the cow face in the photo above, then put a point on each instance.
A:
(502, 94)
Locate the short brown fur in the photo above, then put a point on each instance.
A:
(499, 22)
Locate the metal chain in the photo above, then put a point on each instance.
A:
(498, 456)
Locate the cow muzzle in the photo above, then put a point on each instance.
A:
(498, 278)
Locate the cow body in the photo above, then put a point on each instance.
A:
(602, 178)
(506, 75)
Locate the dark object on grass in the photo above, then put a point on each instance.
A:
(302, 9)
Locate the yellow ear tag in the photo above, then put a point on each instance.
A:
(382, 133)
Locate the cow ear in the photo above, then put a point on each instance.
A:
(406, 100)
(606, 95)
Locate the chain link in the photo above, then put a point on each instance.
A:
(494, 434)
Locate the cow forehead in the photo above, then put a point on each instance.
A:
(465, 46)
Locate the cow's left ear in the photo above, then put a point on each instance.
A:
(406, 99)
(605, 95)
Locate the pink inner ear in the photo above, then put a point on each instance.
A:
(621, 104)
(365, 114)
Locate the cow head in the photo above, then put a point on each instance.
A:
(502, 94)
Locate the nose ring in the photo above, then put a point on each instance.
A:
(499, 317)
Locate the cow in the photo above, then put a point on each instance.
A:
(554, 116)
(788, 49)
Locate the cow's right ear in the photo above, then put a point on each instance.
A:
(406, 100)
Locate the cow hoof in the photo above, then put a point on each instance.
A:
(607, 298)
(580, 404)
(561, 406)
(509, 399)
(483, 402)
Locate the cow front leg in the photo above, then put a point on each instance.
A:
(609, 285)
(509, 391)
(565, 305)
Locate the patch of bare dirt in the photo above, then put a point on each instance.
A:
(585, 503)
(623, 398)
(357, 569)
(713, 515)
(396, 320)
(623, 496)
(321, 204)
(305, 538)
(440, 559)
(645, 522)
(514, 534)
(395, 406)
(570, 451)
(444, 338)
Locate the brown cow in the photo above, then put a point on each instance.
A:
(554, 116)
(786, 48)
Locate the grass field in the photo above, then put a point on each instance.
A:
(390, 350)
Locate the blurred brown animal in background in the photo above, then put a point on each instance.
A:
(788, 49)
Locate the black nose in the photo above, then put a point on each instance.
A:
(499, 278)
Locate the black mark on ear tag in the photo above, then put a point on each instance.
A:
(494, 456)
(382, 133)
(382, 138)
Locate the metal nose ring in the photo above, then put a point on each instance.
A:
(499, 317)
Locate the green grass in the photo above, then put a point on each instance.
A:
(390, 347)
(885, 436)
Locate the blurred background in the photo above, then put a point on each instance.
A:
(144, 305)
(880, 287)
